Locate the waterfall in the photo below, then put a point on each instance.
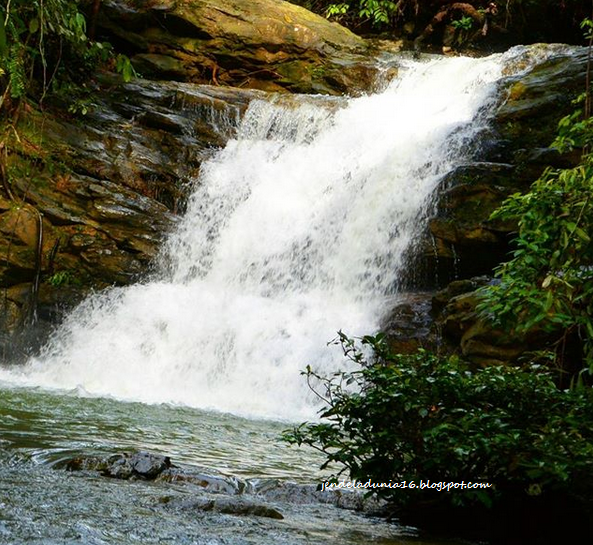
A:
(296, 229)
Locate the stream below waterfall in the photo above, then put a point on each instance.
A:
(298, 228)
(41, 503)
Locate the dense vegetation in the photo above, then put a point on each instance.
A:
(548, 285)
(45, 49)
(412, 417)
(524, 20)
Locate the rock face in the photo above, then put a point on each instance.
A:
(264, 44)
(93, 196)
(461, 241)
(90, 197)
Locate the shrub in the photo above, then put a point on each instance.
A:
(423, 417)
(379, 13)
(28, 31)
(548, 284)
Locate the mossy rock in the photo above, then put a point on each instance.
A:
(262, 44)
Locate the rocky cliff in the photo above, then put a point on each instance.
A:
(462, 244)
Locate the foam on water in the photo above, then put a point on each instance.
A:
(296, 229)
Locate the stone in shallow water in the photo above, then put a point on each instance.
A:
(149, 465)
(229, 506)
(209, 483)
(138, 465)
(309, 494)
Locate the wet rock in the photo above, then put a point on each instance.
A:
(458, 287)
(305, 494)
(459, 315)
(228, 506)
(219, 494)
(108, 187)
(536, 100)
(149, 466)
(263, 44)
(139, 465)
(462, 240)
(209, 483)
(447, 322)
(10, 317)
(486, 345)
(463, 330)
(410, 324)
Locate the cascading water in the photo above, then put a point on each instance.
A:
(296, 229)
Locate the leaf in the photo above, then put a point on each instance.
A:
(34, 25)
(582, 235)
(80, 22)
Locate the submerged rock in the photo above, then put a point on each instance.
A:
(222, 494)
(209, 483)
(228, 506)
(306, 494)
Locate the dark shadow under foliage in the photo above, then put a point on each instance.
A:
(514, 21)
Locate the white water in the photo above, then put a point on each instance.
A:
(295, 230)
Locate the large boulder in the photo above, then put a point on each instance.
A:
(265, 44)
(447, 322)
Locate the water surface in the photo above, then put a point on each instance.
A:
(42, 504)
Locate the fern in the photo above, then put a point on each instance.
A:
(378, 12)
(30, 31)
(16, 72)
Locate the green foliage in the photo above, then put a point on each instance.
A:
(548, 284)
(44, 47)
(587, 26)
(420, 417)
(30, 31)
(532, 20)
(464, 23)
(124, 67)
(378, 12)
(15, 68)
(61, 278)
